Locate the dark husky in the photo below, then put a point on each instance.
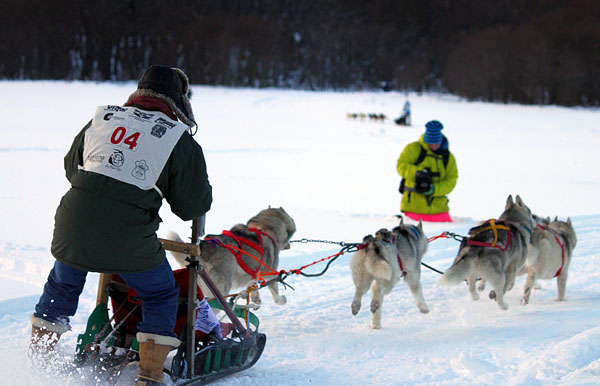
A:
(384, 261)
(271, 230)
(495, 252)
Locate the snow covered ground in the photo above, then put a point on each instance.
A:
(337, 178)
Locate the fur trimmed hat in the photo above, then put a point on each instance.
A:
(433, 132)
(171, 85)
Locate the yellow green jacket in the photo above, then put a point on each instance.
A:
(443, 185)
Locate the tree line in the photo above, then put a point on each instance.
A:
(525, 51)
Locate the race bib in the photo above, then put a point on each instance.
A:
(129, 144)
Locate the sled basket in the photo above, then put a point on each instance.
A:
(108, 345)
(218, 359)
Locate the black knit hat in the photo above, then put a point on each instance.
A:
(171, 85)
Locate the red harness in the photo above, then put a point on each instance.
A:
(401, 266)
(399, 259)
(562, 248)
(257, 247)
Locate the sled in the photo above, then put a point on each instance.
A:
(109, 344)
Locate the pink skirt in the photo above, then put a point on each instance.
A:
(439, 217)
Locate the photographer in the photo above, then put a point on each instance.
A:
(429, 174)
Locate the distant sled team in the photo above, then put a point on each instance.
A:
(380, 117)
(495, 252)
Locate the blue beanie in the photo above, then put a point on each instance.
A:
(433, 132)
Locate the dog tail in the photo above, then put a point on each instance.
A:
(179, 257)
(378, 266)
(457, 272)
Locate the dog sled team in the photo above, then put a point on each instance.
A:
(378, 117)
(495, 253)
(403, 120)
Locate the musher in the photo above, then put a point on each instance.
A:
(121, 165)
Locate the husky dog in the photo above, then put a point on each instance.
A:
(384, 261)
(275, 228)
(539, 220)
(549, 256)
(495, 253)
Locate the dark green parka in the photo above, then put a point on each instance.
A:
(105, 225)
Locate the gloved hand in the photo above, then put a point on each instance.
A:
(430, 191)
(424, 181)
(206, 320)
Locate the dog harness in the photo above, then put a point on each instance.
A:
(562, 248)
(241, 240)
(417, 233)
(401, 266)
(494, 228)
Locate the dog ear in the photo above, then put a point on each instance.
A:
(519, 201)
(401, 220)
(420, 226)
(509, 201)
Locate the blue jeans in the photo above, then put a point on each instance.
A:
(157, 289)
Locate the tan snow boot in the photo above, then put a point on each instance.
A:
(44, 336)
(153, 353)
(42, 341)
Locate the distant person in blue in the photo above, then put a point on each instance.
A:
(404, 118)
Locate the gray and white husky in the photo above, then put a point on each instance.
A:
(495, 256)
(221, 265)
(387, 258)
(549, 256)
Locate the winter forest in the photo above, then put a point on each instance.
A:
(524, 51)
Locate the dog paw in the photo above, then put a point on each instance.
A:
(524, 302)
(281, 300)
(375, 326)
(424, 309)
(493, 295)
(474, 296)
(374, 307)
(355, 308)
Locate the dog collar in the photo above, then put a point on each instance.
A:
(415, 231)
